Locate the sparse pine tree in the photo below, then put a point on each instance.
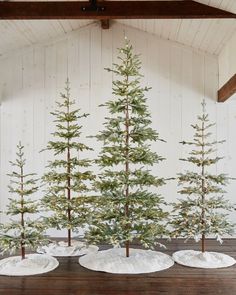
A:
(204, 210)
(22, 233)
(127, 210)
(68, 176)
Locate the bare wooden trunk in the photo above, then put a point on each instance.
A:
(22, 217)
(68, 187)
(127, 246)
(203, 192)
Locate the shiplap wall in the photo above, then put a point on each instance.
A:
(31, 80)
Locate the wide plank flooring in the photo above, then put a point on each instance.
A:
(72, 279)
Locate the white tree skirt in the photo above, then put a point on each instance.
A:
(33, 264)
(62, 249)
(203, 260)
(115, 261)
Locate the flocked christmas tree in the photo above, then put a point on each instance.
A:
(22, 233)
(68, 177)
(203, 212)
(127, 209)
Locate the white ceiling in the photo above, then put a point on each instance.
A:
(209, 35)
(16, 34)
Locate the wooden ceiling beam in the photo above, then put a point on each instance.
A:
(105, 24)
(110, 10)
(227, 90)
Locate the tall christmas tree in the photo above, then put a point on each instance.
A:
(204, 210)
(127, 210)
(23, 233)
(68, 178)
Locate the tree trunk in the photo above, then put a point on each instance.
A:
(22, 216)
(203, 243)
(22, 247)
(203, 212)
(127, 246)
(68, 184)
(203, 191)
(127, 214)
(68, 196)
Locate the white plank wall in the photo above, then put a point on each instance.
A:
(32, 78)
(227, 62)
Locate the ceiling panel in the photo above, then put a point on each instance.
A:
(209, 35)
(20, 33)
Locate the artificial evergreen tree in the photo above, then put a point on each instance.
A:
(203, 212)
(68, 177)
(127, 209)
(23, 233)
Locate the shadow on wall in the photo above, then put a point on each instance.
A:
(2, 92)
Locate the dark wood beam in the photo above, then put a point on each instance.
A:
(227, 90)
(110, 10)
(105, 24)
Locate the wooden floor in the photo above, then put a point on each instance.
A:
(72, 279)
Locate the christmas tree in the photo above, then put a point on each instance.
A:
(68, 178)
(127, 210)
(204, 210)
(23, 233)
